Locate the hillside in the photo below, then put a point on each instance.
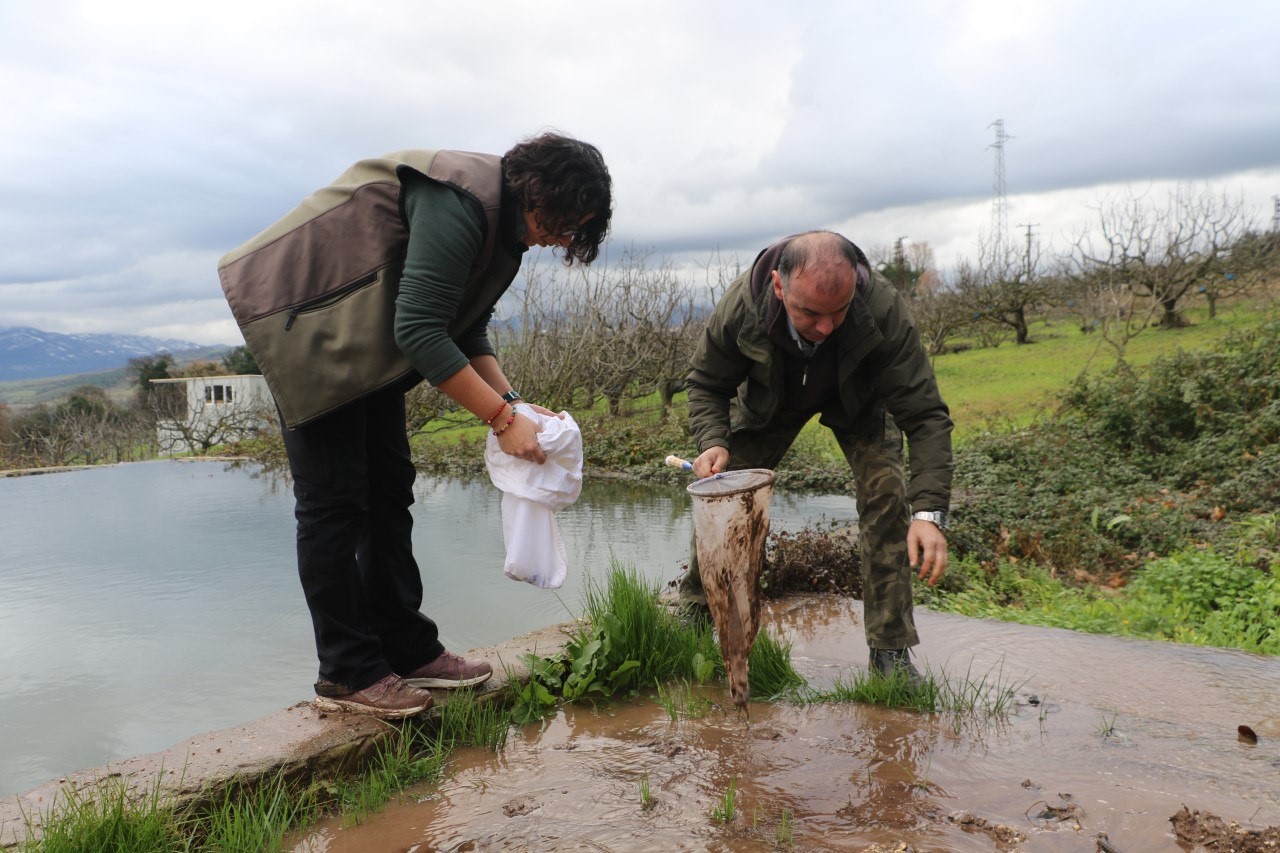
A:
(27, 353)
(113, 377)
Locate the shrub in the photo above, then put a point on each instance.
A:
(1131, 466)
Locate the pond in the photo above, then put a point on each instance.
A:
(150, 602)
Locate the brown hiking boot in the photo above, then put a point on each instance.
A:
(389, 698)
(449, 671)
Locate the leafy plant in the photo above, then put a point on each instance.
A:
(1192, 596)
(1156, 460)
(593, 665)
(703, 668)
(535, 698)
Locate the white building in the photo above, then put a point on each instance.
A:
(217, 409)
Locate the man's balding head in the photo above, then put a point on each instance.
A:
(828, 260)
(816, 278)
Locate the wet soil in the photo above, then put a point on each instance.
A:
(1113, 744)
(1213, 833)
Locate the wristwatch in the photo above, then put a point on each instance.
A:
(934, 517)
(512, 396)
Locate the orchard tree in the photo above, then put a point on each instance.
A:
(1162, 252)
(1245, 268)
(1003, 289)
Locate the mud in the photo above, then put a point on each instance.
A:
(1109, 740)
(1213, 833)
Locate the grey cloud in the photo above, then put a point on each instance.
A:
(149, 140)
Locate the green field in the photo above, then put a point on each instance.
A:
(1011, 383)
(29, 392)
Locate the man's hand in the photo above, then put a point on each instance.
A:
(927, 548)
(713, 460)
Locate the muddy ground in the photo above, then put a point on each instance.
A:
(1111, 744)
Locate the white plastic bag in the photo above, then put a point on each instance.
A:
(531, 495)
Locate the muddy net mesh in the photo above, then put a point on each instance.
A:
(731, 483)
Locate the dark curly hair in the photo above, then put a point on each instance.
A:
(567, 179)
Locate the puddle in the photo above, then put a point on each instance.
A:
(1124, 733)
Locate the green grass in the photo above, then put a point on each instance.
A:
(241, 817)
(647, 801)
(406, 759)
(725, 808)
(1011, 383)
(971, 695)
(1195, 596)
(681, 702)
(106, 819)
(256, 819)
(469, 719)
(784, 830)
(770, 673)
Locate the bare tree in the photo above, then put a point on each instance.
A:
(1106, 302)
(1002, 289)
(86, 428)
(620, 331)
(1162, 253)
(1245, 268)
(546, 346)
(203, 422)
(939, 313)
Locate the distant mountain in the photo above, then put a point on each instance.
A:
(27, 353)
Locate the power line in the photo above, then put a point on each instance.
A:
(1029, 264)
(999, 201)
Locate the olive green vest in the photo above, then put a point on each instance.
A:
(314, 294)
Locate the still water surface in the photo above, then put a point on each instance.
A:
(142, 604)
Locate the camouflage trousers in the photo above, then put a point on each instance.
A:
(875, 456)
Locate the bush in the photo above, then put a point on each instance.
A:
(1130, 467)
(1194, 597)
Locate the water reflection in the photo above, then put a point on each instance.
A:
(149, 602)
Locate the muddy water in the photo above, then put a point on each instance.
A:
(1124, 733)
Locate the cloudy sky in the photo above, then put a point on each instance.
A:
(143, 140)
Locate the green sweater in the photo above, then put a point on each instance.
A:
(446, 233)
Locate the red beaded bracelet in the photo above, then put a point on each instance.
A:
(509, 422)
(501, 406)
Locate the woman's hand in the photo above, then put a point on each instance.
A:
(540, 410)
(520, 439)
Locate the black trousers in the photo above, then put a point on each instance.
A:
(353, 486)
